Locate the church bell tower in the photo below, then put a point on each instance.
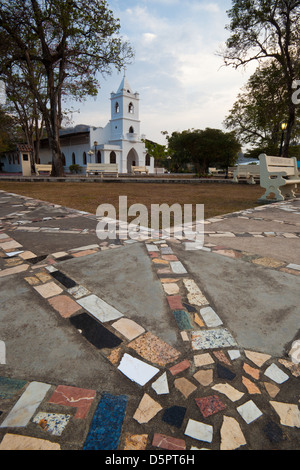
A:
(125, 123)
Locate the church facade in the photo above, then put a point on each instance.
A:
(120, 141)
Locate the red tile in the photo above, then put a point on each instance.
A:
(175, 302)
(167, 442)
(210, 405)
(181, 366)
(79, 398)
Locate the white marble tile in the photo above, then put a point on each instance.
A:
(211, 319)
(161, 385)
(177, 267)
(249, 411)
(26, 406)
(294, 266)
(99, 308)
(2, 352)
(136, 370)
(198, 430)
(276, 374)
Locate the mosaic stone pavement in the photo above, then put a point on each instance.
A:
(216, 395)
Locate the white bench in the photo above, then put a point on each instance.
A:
(246, 171)
(159, 171)
(102, 168)
(278, 176)
(40, 167)
(139, 169)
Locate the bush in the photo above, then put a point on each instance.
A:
(75, 168)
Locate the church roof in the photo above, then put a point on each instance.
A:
(124, 86)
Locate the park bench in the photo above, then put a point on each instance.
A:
(278, 176)
(139, 170)
(102, 168)
(246, 171)
(39, 167)
(159, 171)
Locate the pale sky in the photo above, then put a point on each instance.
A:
(182, 82)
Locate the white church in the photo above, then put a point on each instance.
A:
(118, 142)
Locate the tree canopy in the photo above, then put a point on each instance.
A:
(203, 148)
(260, 108)
(59, 49)
(267, 29)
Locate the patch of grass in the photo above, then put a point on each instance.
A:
(218, 199)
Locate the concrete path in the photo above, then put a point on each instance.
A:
(148, 345)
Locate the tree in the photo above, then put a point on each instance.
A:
(267, 29)
(71, 41)
(260, 108)
(204, 148)
(157, 151)
(9, 132)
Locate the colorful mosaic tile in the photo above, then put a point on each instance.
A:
(200, 431)
(174, 415)
(26, 406)
(10, 387)
(64, 305)
(53, 423)
(249, 411)
(106, 427)
(147, 409)
(78, 398)
(168, 442)
(95, 332)
(183, 320)
(17, 442)
(136, 442)
(232, 436)
(154, 349)
(136, 370)
(212, 339)
(99, 308)
(210, 405)
(161, 386)
(180, 367)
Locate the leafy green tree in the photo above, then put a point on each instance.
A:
(71, 41)
(204, 148)
(267, 29)
(157, 151)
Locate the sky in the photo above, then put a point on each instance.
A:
(182, 82)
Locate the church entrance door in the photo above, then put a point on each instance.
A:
(132, 159)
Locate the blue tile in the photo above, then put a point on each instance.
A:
(182, 319)
(106, 427)
(9, 387)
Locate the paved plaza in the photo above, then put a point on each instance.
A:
(148, 344)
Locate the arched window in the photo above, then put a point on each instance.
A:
(117, 108)
(147, 160)
(131, 108)
(131, 130)
(98, 157)
(84, 158)
(113, 157)
(63, 159)
(73, 159)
